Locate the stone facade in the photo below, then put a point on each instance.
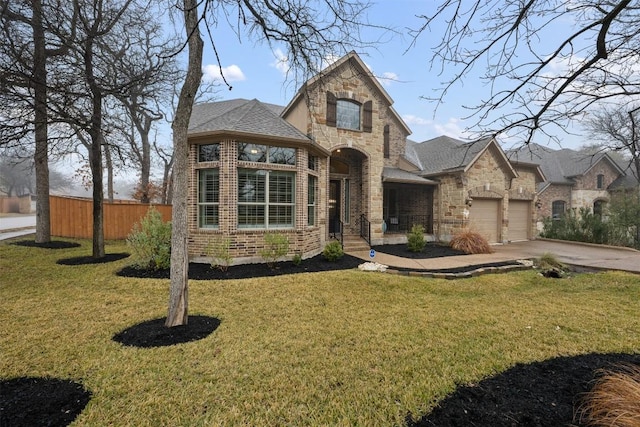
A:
(350, 81)
(348, 164)
(489, 177)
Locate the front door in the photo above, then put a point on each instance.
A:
(334, 206)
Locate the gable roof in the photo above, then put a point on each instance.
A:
(244, 117)
(561, 166)
(363, 71)
(445, 154)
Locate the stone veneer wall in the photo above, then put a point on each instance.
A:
(245, 244)
(455, 189)
(586, 191)
(347, 82)
(550, 194)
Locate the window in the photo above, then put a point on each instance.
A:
(313, 163)
(311, 200)
(557, 209)
(209, 153)
(599, 207)
(249, 152)
(208, 198)
(600, 182)
(252, 152)
(347, 114)
(386, 148)
(266, 199)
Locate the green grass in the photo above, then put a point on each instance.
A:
(335, 348)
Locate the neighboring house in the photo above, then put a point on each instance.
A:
(574, 179)
(336, 163)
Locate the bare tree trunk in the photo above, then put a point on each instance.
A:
(95, 149)
(179, 291)
(109, 164)
(41, 157)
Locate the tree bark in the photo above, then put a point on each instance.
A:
(179, 290)
(41, 157)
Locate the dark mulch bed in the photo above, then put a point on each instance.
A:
(54, 244)
(29, 402)
(431, 250)
(153, 333)
(547, 393)
(88, 259)
(198, 271)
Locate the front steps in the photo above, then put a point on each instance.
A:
(354, 243)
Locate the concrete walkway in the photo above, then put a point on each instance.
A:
(18, 225)
(580, 254)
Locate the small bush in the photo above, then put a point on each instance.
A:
(220, 253)
(333, 251)
(470, 242)
(276, 245)
(548, 260)
(415, 238)
(297, 259)
(614, 399)
(150, 242)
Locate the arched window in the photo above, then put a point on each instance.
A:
(599, 207)
(347, 114)
(558, 208)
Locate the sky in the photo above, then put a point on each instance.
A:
(254, 70)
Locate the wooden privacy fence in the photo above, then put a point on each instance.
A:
(73, 217)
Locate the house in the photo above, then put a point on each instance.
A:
(480, 188)
(574, 179)
(335, 163)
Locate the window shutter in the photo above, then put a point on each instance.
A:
(386, 142)
(367, 122)
(331, 109)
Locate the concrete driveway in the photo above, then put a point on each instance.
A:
(587, 255)
(581, 254)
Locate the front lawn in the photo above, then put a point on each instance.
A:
(331, 348)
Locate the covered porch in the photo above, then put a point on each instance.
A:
(407, 201)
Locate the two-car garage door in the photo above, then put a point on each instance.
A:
(519, 219)
(485, 217)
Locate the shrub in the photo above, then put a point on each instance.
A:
(470, 242)
(297, 259)
(220, 253)
(276, 245)
(614, 399)
(548, 260)
(577, 225)
(415, 238)
(150, 242)
(333, 251)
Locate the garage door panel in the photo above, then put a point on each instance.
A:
(484, 217)
(519, 219)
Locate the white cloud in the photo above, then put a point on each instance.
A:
(412, 120)
(232, 73)
(387, 78)
(451, 128)
(281, 62)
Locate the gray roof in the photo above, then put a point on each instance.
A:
(410, 153)
(560, 166)
(241, 115)
(444, 153)
(399, 175)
